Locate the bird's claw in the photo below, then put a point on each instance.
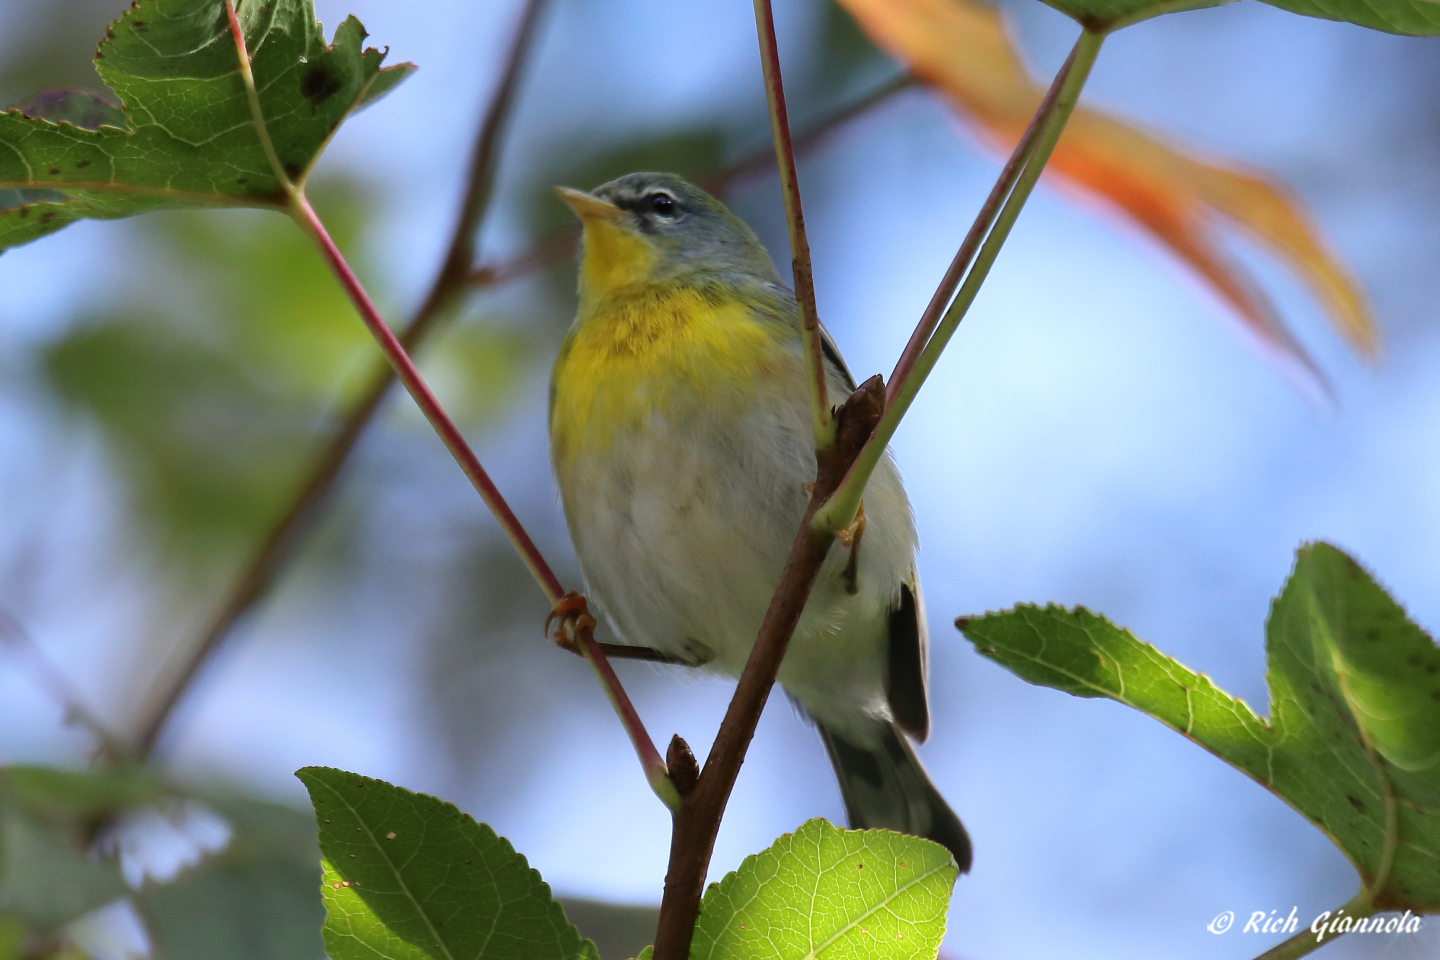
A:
(850, 539)
(570, 610)
(851, 535)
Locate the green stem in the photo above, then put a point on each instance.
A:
(840, 511)
(1308, 939)
(656, 773)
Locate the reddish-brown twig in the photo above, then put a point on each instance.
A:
(820, 418)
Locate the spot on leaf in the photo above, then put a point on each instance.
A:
(319, 84)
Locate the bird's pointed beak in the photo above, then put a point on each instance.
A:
(587, 207)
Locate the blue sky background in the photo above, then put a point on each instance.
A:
(1097, 434)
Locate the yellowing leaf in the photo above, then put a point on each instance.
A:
(961, 48)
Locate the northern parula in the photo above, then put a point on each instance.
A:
(681, 440)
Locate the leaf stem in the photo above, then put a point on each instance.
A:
(1359, 907)
(840, 511)
(252, 93)
(820, 417)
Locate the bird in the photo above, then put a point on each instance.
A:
(682, 445)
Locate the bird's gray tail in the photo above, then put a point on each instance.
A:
(885, 786)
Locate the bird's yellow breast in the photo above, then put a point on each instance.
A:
(675, 353)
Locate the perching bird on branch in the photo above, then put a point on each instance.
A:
(681, 438)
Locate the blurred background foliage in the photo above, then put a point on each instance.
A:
(165, 382)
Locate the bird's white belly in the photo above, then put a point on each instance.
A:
(683, 534)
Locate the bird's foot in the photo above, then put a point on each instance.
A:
(573, 613)
(850, 537)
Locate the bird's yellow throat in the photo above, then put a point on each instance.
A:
(642, 347)
(612, 259)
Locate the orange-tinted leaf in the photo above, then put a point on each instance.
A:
(961, 48)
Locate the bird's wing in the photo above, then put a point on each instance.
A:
(907, 654)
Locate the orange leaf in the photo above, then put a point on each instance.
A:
(961, 48)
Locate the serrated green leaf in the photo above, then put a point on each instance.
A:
(191, 138)
(823, 892)
(81, 109)
(76, 107)
(433, 876)
(1353, 737)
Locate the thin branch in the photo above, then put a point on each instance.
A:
(857, 435)
(820, 418)
(304, 215)
(450, 281)
(840, 512)
(656, 772)
(483, 161)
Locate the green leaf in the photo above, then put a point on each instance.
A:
(191, 138)
(1105, 15)
(352, 931)
(432, 876)
(1416, 18)
(1353, 737)
(1419, 18)
(823, 892)
(76, 107)
(88, 110)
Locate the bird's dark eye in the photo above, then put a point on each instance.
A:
(662, 203)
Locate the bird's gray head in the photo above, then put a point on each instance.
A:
(660, 227)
